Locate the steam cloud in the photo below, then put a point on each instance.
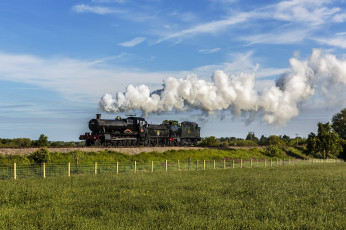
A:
(236, 93)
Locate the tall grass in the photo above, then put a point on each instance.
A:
(300, 197)
(108, 156)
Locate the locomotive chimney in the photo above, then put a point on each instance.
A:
(98, 116)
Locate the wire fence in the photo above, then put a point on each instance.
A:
(54, 170)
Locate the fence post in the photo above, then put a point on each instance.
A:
(44, 170)
(251, 163)
(135, 166)
(224, 163)
(69, 169)
(166, 166)
(15, 171)
(189, 164)
(117, 167)
(214, 164)
(204, 165)
(152, 166)
(95, 168)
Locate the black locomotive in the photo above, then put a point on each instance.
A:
(135, 131)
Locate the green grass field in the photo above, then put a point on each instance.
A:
(301, 197)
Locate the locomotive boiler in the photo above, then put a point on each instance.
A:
(135, 131)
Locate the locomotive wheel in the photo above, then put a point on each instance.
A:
(135, 143)
(154, 142)
(146, 142)
(98, 143)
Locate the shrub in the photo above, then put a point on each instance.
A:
(210, 142)
(40, 156)
(273, 151)
(242, 143)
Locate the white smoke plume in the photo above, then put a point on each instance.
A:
(236, 93)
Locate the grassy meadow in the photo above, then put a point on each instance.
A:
(289, 197)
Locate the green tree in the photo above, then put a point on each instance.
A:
(274, 140)
(263, 140)
(251, 137)
(325, 143)
(42, 141)
(339, 123)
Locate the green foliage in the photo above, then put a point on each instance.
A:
(108, 156)
(209, 142)
(40, 156)
(296, 152)
(273, 151)
(274, 140)
(242, 143)
(42, 141)
(339, 123)
(300, 197)
(325, 144)
(251, 137)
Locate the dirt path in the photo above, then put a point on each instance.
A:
(130, 150)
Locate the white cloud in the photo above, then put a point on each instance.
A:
(209, 51)
(339, 40)
(287, 36)
(133, 42)
(82, 8)
(307, 15)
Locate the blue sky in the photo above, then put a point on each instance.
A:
(59, 57)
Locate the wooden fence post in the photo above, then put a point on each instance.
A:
(152, 166)
(166, 166)
(204, 165)
(68, 169)
(117, 167)
(135, 166)
(224, 164)
(15, 171)
(44, 170)
(95, 167)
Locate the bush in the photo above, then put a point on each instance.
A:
(40, 156)
(242, 143)
(273, 151)
(210, 142)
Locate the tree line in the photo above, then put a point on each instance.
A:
(42, 141)
(330, 140)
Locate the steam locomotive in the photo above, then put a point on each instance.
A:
(135, 131)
